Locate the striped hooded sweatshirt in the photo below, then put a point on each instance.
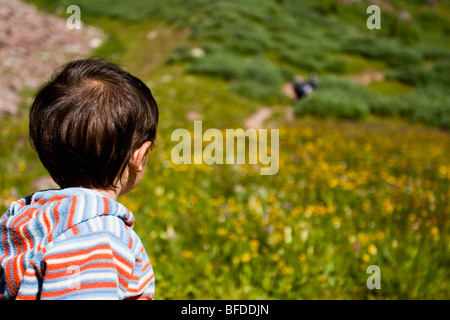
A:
(72, 243)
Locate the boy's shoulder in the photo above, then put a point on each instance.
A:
(90, 215)
(52, 216)
(105, 230)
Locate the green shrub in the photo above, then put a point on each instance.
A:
(436, 76)
(255, 78)
(256, 91)
(230, 66)
(218, 64)
(333, 103)
(390, 51)
(338, 98)
(413, 75)
(301, 58)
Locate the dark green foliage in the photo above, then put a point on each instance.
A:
(339, 99)
(256, 78)
(436, 75)
(344, 99)
(390, 51)
(258, 44)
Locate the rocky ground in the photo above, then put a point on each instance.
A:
(32, 45)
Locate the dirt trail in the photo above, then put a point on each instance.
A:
(368, 76)
(257, 119)
(262, 118)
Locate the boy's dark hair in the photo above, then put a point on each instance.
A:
(88, 120)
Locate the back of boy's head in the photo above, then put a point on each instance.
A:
(88, 120)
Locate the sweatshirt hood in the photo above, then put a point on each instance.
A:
(31, 223)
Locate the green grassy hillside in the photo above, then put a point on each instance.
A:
(257, 45)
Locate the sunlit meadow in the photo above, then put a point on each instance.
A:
(348, 194)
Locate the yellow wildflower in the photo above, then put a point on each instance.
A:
(246, 257)
(222, 231)
(187, 254)
(254, 244)
(287, 270)
(372, 249)
(366, 257)
(22, 166)
(434, 231)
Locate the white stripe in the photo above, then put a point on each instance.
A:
(79, 209)
(94, 207)
(73, 280)
(25, 238)
(78, 257)
(41, 220)
(18, 263)
(123, 266)
(28, 291)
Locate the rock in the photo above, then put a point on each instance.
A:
(33, 44)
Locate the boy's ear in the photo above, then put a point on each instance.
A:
(138, 158)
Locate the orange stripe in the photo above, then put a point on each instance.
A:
(72, 212)
(106, 205)
(123, 260)
(78, 252)
(105, 264)
(22, 297)
(56, 215)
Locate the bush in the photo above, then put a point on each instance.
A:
(230, 66)
(338, 98)
(413, 75)
(256, 91)
(392, 52)
(255, 78)
(333, 103)
(426, 106)
(436, 76)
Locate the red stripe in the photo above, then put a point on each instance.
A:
(56, 215)
(57, 198)
(16, 237)
(10, 281)
(106, 206)
(72, 212)
(78, 252)
(23, 230)
(107, 263)
(22, 297)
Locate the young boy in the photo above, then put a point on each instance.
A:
(92, 126)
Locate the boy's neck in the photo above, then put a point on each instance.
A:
(109, 193)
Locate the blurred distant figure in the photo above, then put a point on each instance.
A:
(304, 88)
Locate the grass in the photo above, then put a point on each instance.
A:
(348, 194)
